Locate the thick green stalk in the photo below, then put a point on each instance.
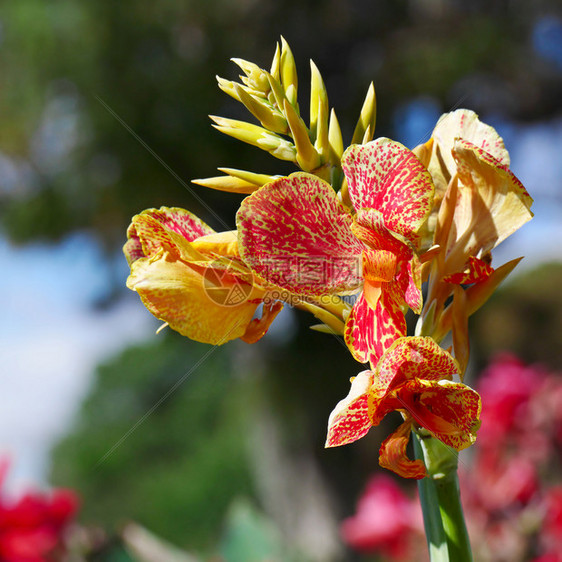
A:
(447, 537)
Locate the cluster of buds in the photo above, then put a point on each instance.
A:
(351, 238)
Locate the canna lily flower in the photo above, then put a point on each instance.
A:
(413, 377)
(192, 278)
(297, 234)
(478, 201)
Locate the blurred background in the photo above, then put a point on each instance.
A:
(104, 112)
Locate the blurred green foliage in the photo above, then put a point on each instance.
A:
(160, 442)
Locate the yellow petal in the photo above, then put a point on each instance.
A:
(218, 243)
(189, 301)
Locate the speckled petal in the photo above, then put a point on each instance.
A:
(418, 357)
(386, 176)
(179, 294)
(392, 454)
(349, 420)
(169, 227)
(133, 247)
(409, 279)
(475, 271)
(295, 233)
(450, 411)
(368, 333)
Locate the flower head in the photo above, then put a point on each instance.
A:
(414, 377)
(296, 233)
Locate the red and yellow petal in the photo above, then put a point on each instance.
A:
(183, 296)
(172, 228)
(418, 357)
(133, 247)
(474, 271)
(294, 233)
(386, 176)
(350, 419)
(450, 411)
(392, 454)
(408, 277)
(369, 333)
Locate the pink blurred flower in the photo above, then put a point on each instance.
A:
(506, 387)
(385, 521)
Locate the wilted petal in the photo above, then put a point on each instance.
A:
(463, 124)
(350, 420)
(183, 296)
(368, 333)
(392, 454)
(492, 204)
(386, 176)
(295, 233)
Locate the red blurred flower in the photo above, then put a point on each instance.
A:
(551, 535)
(32, 526)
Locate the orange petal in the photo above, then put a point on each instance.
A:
(258, 327)
(392, 454)
(461, 345)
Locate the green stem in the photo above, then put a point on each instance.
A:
(447, 537)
